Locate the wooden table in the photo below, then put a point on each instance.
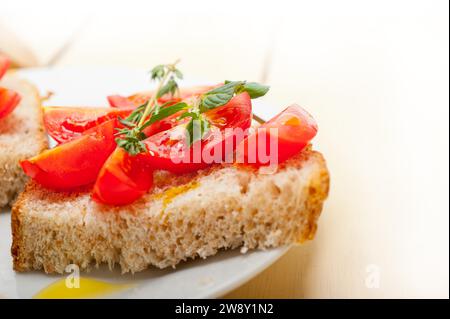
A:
(375, 77)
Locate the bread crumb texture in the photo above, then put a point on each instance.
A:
(22, 135)
(185, 217)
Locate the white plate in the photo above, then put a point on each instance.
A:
(208, 278)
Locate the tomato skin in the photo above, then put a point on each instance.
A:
(236, 113)
(173, 156)
(66, 123)
(125, 178)
(9, 99)
(293, 129)
(121, 101)
(75, 163)
(4, 65)
(168, 150)
(122, 179)
(164, 124)
(140, 98)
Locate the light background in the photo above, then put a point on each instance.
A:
(373, 73)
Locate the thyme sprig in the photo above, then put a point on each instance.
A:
(131, 136)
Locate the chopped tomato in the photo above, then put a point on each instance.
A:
(75, 163)
(4, 65)
(168, 150)
(125, 178)
(127, 101)
(122, 179)
(163, 125)
(66, 123)
(9, 99)
(278, 139)
(138, 99)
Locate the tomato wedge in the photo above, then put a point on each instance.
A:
(66, 123)
(134, 100)
(168, 150)
(4, 65)
(163, 125)
(125, 178)
(75, 163)
(122, 179)
(291, 130)
(138, 99)
(9, 99)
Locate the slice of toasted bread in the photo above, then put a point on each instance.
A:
(185, 217)
(22, 135)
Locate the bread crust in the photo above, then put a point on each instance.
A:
(262, 226)
(17, 242)
(22, 135)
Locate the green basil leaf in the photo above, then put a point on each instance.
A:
(188, 114)
(136, 115)
(178, 74)
(132, 145)
(220, 95)
(229, 87)
(165, 111)
(170, 87)
(255, 90)
(157, 72)
(196, 129)
(212, 101)
(126, 122)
